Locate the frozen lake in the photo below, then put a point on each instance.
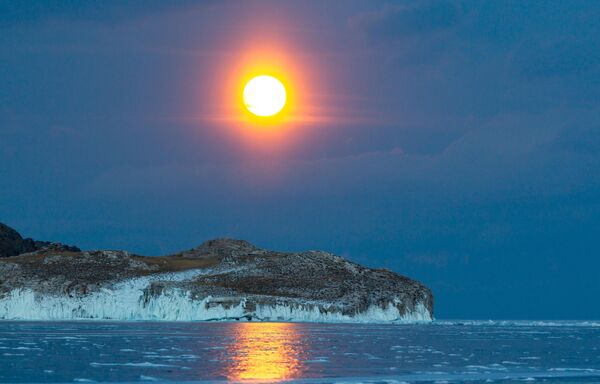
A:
(332, 353)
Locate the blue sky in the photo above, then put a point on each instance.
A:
(461, 144)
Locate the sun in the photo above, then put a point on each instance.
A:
(264, 96)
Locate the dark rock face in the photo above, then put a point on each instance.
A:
(262, 276)
(13, 244)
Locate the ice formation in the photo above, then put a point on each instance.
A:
(126, 301)
(222, 279)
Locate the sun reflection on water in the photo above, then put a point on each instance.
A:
(262, 352)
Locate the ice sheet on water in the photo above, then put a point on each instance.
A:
(144, 364)
(313, 353)
(522, 323)
(148, 378)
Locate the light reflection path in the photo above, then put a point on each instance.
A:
(268, 352)
(462, 351)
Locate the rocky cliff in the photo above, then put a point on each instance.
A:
(12, 243)
(223, 279)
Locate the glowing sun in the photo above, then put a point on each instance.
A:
(264, 96)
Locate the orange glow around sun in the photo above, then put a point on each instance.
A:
(265, 99)
(262, 97)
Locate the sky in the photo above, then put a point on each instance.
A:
(457, 143)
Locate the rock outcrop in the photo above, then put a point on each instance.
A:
(223, 279)
(13, 244)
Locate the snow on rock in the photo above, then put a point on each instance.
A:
(222, 279)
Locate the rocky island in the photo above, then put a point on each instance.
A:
(222, 279)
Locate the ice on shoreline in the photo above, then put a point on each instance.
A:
(522, 323)
(126, 301)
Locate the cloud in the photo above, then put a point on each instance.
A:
(509, 157)
(403, 21)
(578, 139)
(16, 12)
(537, 59)
(537, 40)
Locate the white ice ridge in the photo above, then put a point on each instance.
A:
(126, 301)
(522, 323)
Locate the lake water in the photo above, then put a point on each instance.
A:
(331, 353)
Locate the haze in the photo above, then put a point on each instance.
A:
(455, 142)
